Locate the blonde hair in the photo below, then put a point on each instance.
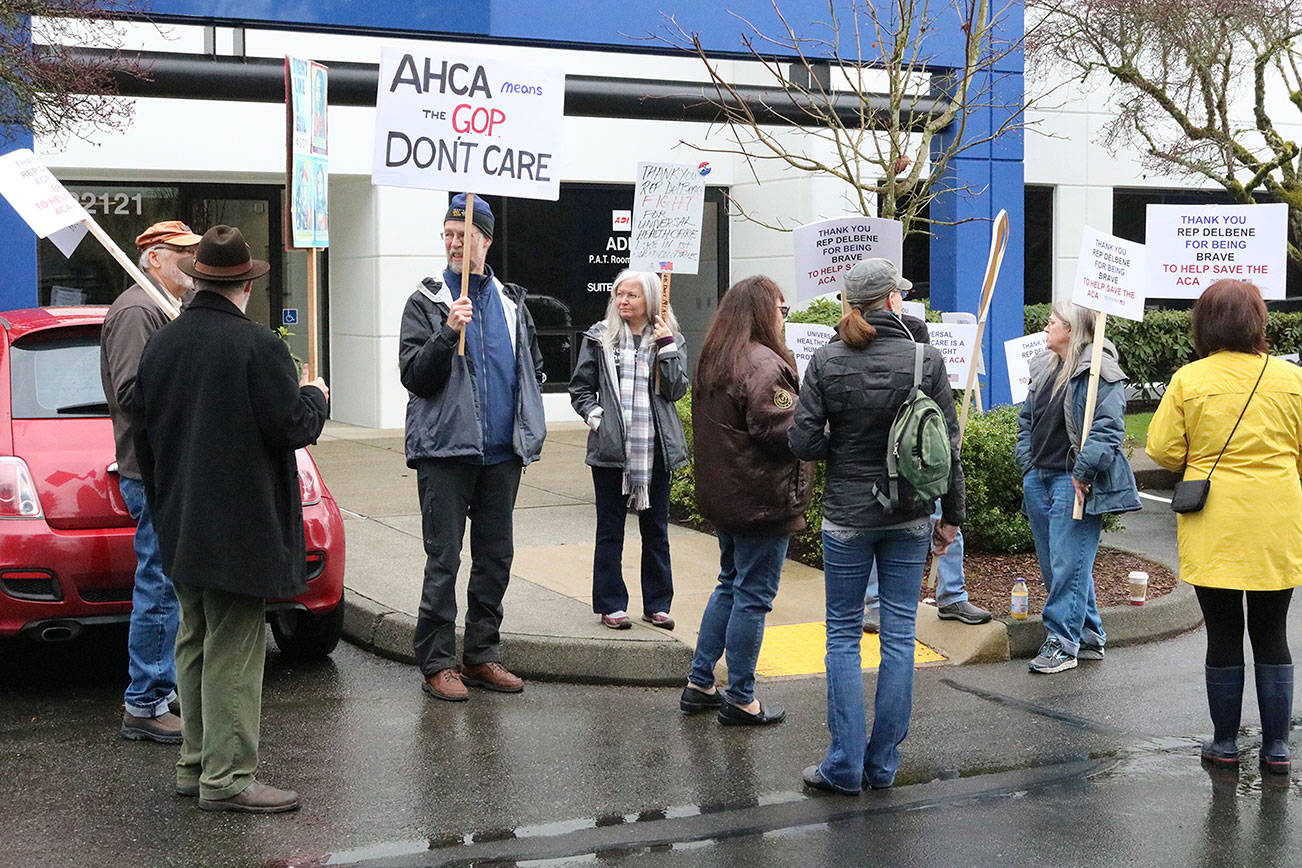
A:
(650, 283)
(1080, 325)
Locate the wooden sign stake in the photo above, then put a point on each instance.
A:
(1091, 397)
(465, 263)
(664, 316)
(998, 242)
(313, 359)
(168, 305)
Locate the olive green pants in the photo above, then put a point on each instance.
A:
(220, 651)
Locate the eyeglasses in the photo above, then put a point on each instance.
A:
(784, 309)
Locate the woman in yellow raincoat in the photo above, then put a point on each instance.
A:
(1248, 536)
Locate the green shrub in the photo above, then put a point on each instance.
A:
(994, 484)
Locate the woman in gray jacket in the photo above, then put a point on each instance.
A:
(631, 370)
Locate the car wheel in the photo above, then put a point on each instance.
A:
(305, 635)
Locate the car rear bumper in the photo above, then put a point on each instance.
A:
(93, 569)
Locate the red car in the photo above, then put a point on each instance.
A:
(66, 556)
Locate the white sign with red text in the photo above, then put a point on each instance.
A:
(956, 342)
(668, 206)
(1110, 275)
(459, 123)
(1190, 247)
(37, 196)
(825, 250)
(1018, 353)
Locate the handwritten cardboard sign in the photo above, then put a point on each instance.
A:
(803, 339)
(1110, 275)
(451, 122)
(1018, 352)
(1190, 247)
(37, 196)
(668, 204)
(825, 250)
(956, 342)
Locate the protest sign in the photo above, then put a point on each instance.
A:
(803, 339)
(37, 196)
(1190, 247)
(307, 208)
(956, 342)
(668, 204)
(1018, 353)
(47, 207)
(915, 309)
(825, 250)
(451, 122)
(1110, 275)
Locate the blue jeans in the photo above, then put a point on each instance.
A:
(155, 615)
(854, 760)
(1066, 550)
(749, 569)
(951, 584)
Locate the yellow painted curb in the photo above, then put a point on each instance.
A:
(798, 649)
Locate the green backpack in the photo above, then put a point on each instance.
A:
(917, 450)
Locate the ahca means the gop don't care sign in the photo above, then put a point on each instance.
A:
(445, 122)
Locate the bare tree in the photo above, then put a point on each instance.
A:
(1202, 85)
(888, 152)
(42, 87)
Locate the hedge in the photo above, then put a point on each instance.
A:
(1152, 350)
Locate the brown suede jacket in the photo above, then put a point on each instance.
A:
(747, 480)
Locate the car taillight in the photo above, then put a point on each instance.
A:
(17, 490)
(308, 487)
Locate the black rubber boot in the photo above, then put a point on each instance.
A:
(1225, 701)
(1275, 699)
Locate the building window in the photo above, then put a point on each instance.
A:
(1038, 249)
(566, 253)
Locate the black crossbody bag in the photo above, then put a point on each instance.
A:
(1190, 495)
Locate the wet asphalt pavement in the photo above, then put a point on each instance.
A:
(1096, 766)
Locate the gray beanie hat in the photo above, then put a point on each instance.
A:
(873, 279)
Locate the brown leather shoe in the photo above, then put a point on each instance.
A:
(165, 729)
(492, 676)
(256, 798)
(445, 684)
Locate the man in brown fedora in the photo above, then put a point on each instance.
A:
(216, 448)
(131, 320)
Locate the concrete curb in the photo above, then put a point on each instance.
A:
(1170, 615)
(665, 662)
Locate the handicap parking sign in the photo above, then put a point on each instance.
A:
(289, 316)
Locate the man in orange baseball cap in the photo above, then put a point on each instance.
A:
(131, 319)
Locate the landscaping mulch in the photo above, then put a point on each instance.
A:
(989, 579)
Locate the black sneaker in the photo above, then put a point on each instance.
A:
(965, 612)
(693, 700)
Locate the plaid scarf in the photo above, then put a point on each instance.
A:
(635, 406)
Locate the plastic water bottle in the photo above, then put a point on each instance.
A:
(1020, 600)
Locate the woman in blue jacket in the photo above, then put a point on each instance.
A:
(1058, 469)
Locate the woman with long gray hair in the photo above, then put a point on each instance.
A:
(1059, 469)
(632, 368)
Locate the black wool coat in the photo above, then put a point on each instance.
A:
(219, 413)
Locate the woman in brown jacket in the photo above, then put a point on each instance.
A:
(749, 486)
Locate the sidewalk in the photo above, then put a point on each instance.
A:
(549, 630)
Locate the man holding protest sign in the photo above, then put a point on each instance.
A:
(474, 419)
(216, 450)
(151, 638)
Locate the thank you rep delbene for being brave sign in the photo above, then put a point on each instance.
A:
(447, 122)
